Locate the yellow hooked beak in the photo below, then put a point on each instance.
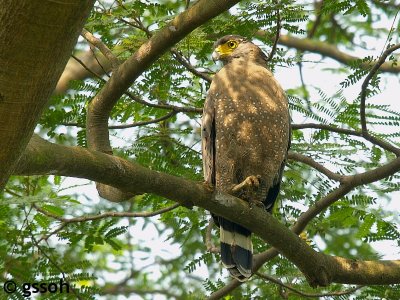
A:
(221, 51)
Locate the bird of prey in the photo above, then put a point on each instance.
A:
(245, 139)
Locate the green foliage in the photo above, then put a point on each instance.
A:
(37, 244)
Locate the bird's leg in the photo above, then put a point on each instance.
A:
(250, 183)
(248, 188)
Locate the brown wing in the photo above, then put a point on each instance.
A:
(208, 141)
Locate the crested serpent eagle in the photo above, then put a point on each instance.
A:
(245, 139)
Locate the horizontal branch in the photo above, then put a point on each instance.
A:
(374, 140)
(326, 127)
(304, 294)
(328, 50)
(42, 157)
(113, 214)
(135, 124)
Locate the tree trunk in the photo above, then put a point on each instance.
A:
(36, 40)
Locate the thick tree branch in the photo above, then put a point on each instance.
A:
(347, 185)
(320, 270)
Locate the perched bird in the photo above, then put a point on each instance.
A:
(245, 139)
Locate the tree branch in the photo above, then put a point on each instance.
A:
(135, 124)
(328, 50)
(312, 163)
(278, 32)
(364, 87)
(102, 47)
(374, 140)
(260, 259)
(308, 295)
(209, 244)
(112, 214)
(42, 157)
(87, 67)
(188, 66)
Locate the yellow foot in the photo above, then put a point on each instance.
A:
(250, 182)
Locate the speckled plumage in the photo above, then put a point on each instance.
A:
(245, 126)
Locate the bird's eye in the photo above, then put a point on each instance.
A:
(232, 44)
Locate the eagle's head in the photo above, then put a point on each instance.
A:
(233, 46)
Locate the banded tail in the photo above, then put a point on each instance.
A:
(236, 249)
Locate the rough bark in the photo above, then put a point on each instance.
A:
(37, 38)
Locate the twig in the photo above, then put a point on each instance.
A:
(102, 47)
(86, 68)
(137, 99)
(326, 127)
(55, 231)
(209, 244)
(278, 33)
(53, 262)
(175, 53)
(325, 49)
(109, 214)
(312, 163)
(308, 295)
(142, 123)
(365, 84)
(318, 7)
(188, 66)
(376, 141)
(66, 222)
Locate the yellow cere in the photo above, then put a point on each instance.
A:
(227, 47)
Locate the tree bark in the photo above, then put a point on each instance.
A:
(37, 38)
